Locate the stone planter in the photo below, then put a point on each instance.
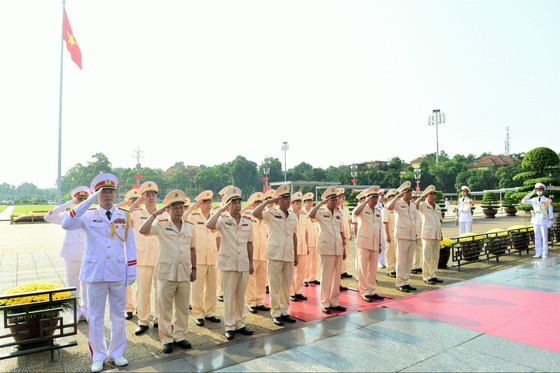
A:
(510, 211)
(35, 331)
(490, 213)
(444, 254)
(524, 215)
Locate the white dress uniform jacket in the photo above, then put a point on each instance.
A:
(73, 246)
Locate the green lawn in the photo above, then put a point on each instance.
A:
(22, 209)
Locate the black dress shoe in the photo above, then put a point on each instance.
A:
(184, 344)
(343, 288)
(262, 307)
(230, 334)
(128, 315)
(167, 348)
(437, 280)
(199, 322)
(301, 297)
(213, 319)
(288, 318)
(267, 290)
(410, 287)
(325, 310)
(306, 284)
(253, 309)
(338, 308)
(245, 331)
(156, 325)
(392, 274)
(141, 329)
(404, 289)
(416, 271)
(278, 321)
(293, 298)
(430, 281)
(315, 282)
(367, 298)
(220, 298)
(190, 306)
(345, 275)
(376, 296)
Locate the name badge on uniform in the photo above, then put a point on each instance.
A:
(277, 217)
(97, 221)
(169, 229)
(143, 218)
(228, 224)
(200, 222)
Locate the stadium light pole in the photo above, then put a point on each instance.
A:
(436, 119)
(285, 147)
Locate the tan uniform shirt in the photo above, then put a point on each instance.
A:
(232, 255)
(330, 232)
(431, 221)
(146, 246)
(302, 227)
(388, 217)
(405, 220)
(369, 225)
(260, 236)
(281, 229)
(312, 229)
(206, 248)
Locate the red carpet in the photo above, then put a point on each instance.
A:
(310, 309)
(526, 316)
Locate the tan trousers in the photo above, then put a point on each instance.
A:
(418, 257)
(219, 287)
(173, 310)
(391, 255)
(311, 265)
(204, 292)
(279, 281)
(431, 258)
(145, 282)
(256, 286)
(405, 254)
(296, 286)
(330, 284)
(344, 268)
(235, 313)
(367, 271)
(130, 307)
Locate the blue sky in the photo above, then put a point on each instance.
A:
(340, 81)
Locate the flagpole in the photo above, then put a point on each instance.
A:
(59, 180)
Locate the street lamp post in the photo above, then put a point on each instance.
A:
(435, 119)
(266, 171)
(354, 174)
(285, 147)
(417, 174)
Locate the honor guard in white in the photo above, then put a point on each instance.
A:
(296, 288)
(73, 248)
(331, 248)
(418, 256)
(109, 265)
(346, 221)
(312, 229)
(405, 234)
(464, 215)
(368, 243)
(542, 218)
(280, 252)
(235, 260)
(388, 219)
(175, 269)
(147, 248)
(203, 292)
(430, 216)
(256, 286)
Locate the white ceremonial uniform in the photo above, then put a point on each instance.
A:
(110, 258)
(173, 270)
(346, 221)
(233, 262)
(256, 285)
(73, 248)
(542, 218)
(464, 214)
(388, 218)
(312, 229)
(298, 277)
(279, 253)
(204, 288)
(405, 234)
(431, 237)
(368, 243)
(331, 251)
(146, 281)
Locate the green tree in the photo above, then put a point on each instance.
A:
(540, 159)
(244, 175)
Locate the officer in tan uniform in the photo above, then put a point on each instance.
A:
(418, 256)
(220, 290)
(346, 221)
(381, 206)
(405, 234)
(204, 288)
(388, 219)
(312, 229)
(280, 252)
(430, 214)
(368, 243)
(360, 198)
(296, 288)
(256, 287)
(175, 269)
(331, 248)
(235, 260)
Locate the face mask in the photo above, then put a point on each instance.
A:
(539, 193)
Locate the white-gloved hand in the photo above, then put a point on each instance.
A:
(130, 280)
(550, 224)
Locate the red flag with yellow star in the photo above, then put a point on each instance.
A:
(71, 43)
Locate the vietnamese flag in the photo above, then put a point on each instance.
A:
(71, 43)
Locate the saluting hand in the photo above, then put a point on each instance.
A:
(159, 211)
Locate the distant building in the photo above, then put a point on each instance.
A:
(416, 163)
(488, 161)
(376, 165)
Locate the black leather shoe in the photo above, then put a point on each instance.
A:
(392, 274)
(184, 344)
(367, 298)
(345, 275)
(325, 310)
(220, 298)
(315, 282)
(293, 298)
(128, 315)
(416, 271)
(437, 280)
(213, 319)
(404, 289)
(167, 348)
(230, 334)
(278, 321)
(338, 308)
(288, 318)
(410, 287)
(190, 306)
(430, 281)
(267, 290)
(343, 288)
(253, 309)
(301, 297)
(156, 325)
(141, 329)
(376, 297)
(262, 307)
(245, 331)
(306, 284)
(199, 322)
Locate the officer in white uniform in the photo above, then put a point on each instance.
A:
(542, 218)
(464, 215)
(109, 265)
(73, 247)
(430, 216)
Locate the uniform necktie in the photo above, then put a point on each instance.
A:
(108, 213)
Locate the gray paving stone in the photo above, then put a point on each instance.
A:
(287, 361)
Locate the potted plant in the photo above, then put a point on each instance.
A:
(509, 204)
(497, 241)
(31, 311)
(524, 211)
(490, 204)
(444, 252)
